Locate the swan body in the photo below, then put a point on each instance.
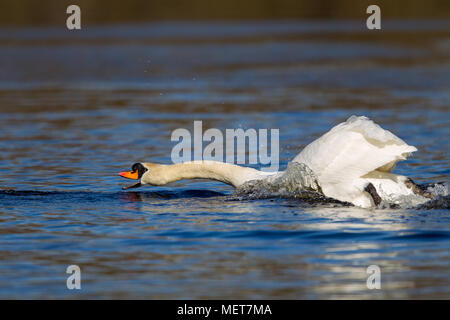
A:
(352, 162)
(353, 154)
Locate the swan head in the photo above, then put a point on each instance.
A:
(147, 173)
(138, 170)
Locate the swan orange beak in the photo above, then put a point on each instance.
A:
(130, 174)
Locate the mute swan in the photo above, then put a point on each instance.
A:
(352, 162)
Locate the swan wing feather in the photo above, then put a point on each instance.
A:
(353, 149)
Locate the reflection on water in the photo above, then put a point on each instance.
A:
(186, 243)
(75, 110)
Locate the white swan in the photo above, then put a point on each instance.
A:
(353, 162)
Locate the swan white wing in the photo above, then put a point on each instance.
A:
(348, 152)
(354, 148)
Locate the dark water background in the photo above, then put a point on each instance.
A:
(78, 107)
(51, 12)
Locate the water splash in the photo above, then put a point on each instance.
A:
(298, 182)
(438, 191)
(441, 196)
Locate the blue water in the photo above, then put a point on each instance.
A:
(76, 108)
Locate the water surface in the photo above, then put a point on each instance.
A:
(76, 108)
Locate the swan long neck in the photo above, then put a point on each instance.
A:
(225, 172)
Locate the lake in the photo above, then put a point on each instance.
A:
(76, 108)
